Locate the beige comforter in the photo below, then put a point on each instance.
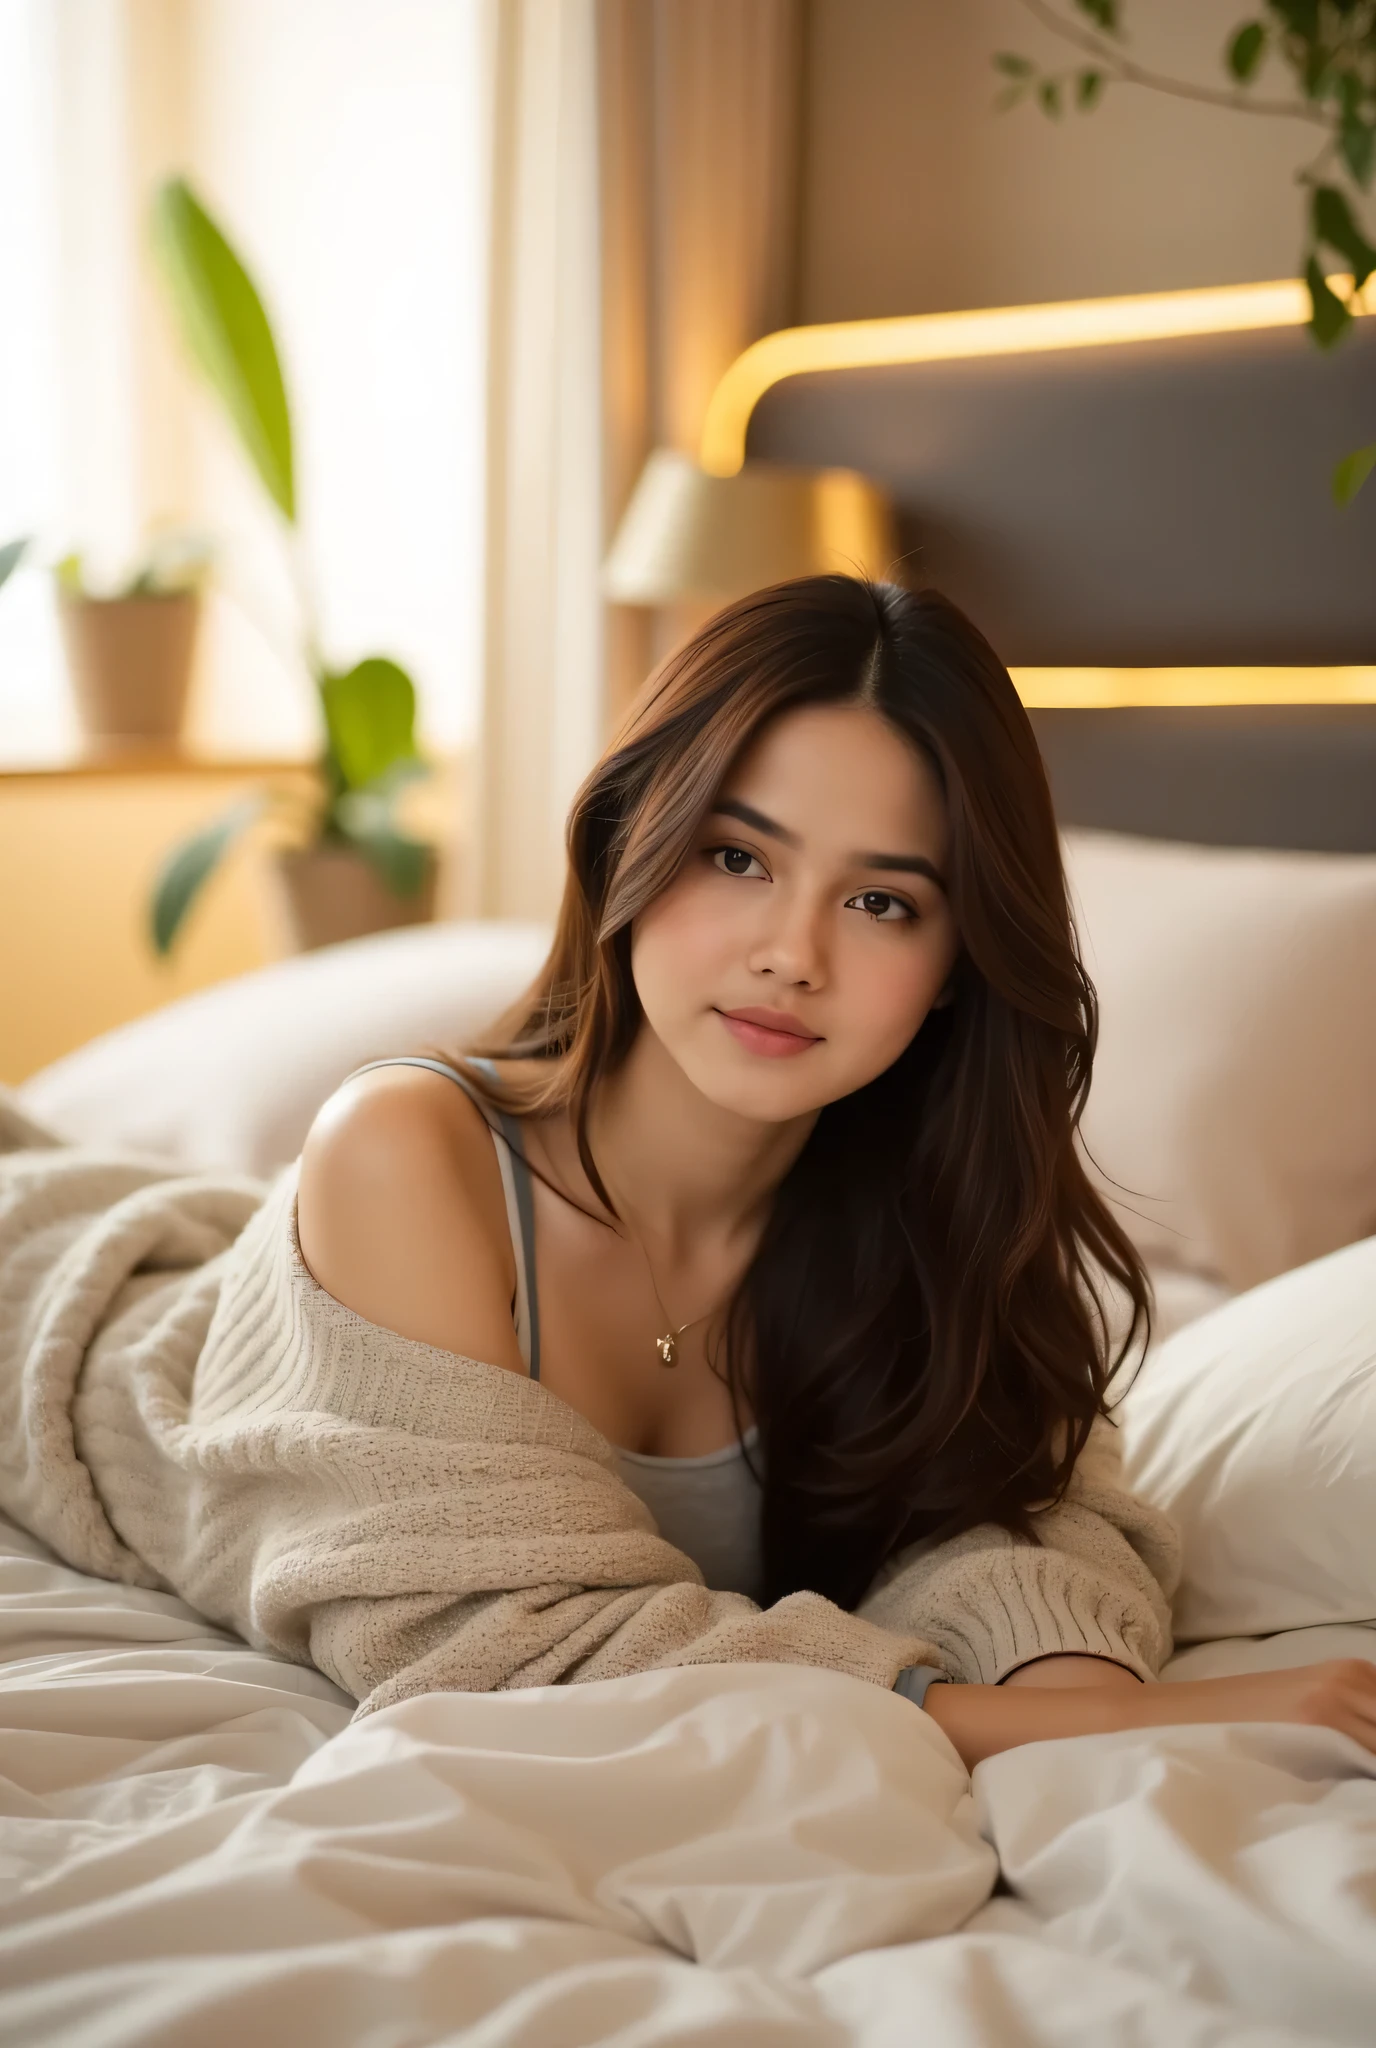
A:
(182, 1405)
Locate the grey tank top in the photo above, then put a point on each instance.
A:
(707, 1507)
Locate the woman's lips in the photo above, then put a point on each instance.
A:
(774, 1045)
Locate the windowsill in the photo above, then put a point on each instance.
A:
(144, 757)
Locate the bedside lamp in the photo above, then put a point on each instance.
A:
(687, 536)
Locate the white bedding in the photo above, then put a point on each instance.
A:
(196, 1847)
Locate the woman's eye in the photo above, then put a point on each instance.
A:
(883, 908)
(734, 860)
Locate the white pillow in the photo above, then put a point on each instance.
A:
(1234, 1093)
(232, 1077)
(1255, 1431)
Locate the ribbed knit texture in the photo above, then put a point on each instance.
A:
(182, 1405)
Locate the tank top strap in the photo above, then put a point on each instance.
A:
(516, 1188)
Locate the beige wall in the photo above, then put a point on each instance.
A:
(919, 197)
(77, 856)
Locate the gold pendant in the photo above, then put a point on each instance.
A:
(667, 1349)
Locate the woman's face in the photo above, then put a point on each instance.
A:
(808, 933)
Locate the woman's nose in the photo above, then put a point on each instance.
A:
(792, 944)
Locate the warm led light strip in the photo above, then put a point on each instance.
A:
(1090, 689)
(1001, 331)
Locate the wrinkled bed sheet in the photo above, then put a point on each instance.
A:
(197, 1847)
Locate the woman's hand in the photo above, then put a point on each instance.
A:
(983, 1720)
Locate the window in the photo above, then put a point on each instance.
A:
(343, 146)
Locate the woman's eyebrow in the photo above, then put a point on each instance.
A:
(894, 863)
(903, 864)
(731, 807)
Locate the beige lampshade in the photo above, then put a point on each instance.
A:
(688, 535)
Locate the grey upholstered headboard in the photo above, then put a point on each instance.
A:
(1300, 776)
(1152, 504)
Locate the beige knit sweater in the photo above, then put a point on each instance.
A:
(182, 1405)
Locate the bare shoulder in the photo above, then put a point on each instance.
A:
(401, 1212)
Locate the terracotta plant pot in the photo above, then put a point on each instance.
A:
(330, 893)
(130, 662)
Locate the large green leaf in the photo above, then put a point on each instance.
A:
(1357, 142)
(370, 715)
(11, 555)
(1246, 50)
(1335, 225)
(1352, 472)
(1329, 318)
(189, 867)
(226, 329)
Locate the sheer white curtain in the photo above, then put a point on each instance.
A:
(643, 233)
(346, 144)
(543, 700)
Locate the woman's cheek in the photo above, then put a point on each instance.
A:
(677, 947)
(889, 999)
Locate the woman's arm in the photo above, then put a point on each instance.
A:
(1063, 1668)
(982, 1720)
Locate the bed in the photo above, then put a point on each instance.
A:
(200, 1846)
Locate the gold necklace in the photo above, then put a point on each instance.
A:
(667, 1345)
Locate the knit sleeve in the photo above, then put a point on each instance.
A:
(1097, 1582)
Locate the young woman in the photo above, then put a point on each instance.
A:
(784, 1196)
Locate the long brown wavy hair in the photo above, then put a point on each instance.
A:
(923, 1323)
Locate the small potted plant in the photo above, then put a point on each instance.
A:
(130, 649)
(353, 868)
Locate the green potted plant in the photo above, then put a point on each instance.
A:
(355, 869)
